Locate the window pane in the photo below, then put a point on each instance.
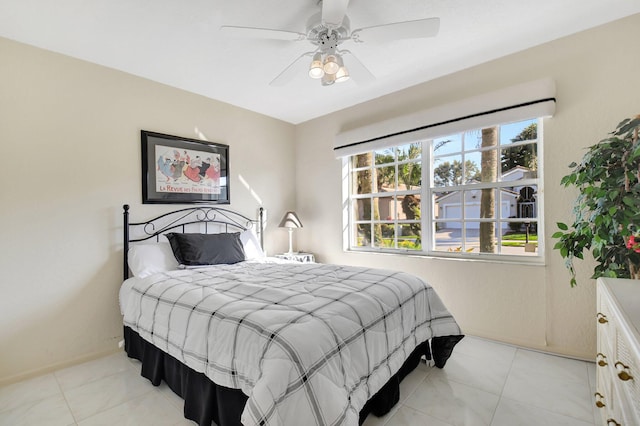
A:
(447, 171)
(449, 237)
(363, 182)
(378, 239)
(481, 237)
(363, 235)
(409, 176)
(385, 156)
(410, 236)
(388, 235)
(361, 160)
(520, 238)
(488, 203)
(527, 201)
(521, 131)
(448, 206)
(408, 207)
(489, 166)
(361, 209)
(447, 145)
(472, 139)
(412, 151)
(474, 200)
(472, 167)
(384, 207)
(519, 162)
(386, 178)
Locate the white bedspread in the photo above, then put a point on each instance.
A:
(308, 343)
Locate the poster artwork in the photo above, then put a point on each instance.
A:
(187, 171)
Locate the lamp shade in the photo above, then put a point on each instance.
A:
(315, 69)
(328, 79)
(290, 220)
(342, 75)
(331, 65)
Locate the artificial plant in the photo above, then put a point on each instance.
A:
(607, 208)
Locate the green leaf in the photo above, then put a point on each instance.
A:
(598, 221)
(558, 234)
(562, 226)
(564, 251)
(629, 201)
(612, 210)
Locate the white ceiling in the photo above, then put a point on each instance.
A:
(178, 43)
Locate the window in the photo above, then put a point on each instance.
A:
(475, 193)
(385, 198)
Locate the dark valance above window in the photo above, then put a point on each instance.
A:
(525, 101)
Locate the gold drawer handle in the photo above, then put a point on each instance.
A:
(599, 403)
(611, 422)
(623, 375)
(601, 362)
(602, 318)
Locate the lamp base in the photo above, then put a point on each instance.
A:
(290, 241)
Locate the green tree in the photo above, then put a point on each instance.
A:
(411, 209)
(368, 185)
(385, 176)
(410, 173)
(447, 173)
(522, 155)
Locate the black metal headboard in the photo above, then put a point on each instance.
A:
(209, 219)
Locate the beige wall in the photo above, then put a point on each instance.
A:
(596, 73)
(70, 144)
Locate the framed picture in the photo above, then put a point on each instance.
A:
(179, 170)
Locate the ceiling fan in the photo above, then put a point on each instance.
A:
(327, 30)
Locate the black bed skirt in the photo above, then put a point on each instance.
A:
(204, 401)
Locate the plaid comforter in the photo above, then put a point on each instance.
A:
(308, 343)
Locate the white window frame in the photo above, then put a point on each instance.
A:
(428, 222)
(395, 221)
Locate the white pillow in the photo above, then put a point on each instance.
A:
(251, 245)
(150, 258)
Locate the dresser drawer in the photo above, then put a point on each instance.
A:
(606, 329)
(627, 373)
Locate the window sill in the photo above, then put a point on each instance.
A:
(488, 258)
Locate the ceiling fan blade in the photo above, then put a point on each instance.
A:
(263, 33)
(421, 28)
(333, 12)
(357, 70)
(298, 66)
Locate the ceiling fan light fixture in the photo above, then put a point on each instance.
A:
(328, 79)
(315, 68)
(342, 75)
(331, 65)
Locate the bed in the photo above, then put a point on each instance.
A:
(249, 340)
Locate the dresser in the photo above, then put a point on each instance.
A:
(618, 356)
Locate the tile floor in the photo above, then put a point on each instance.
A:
(483, 383)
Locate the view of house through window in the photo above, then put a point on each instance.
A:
(470, 193)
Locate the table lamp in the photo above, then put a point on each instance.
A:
(290, 221)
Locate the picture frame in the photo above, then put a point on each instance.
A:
(177, 170)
